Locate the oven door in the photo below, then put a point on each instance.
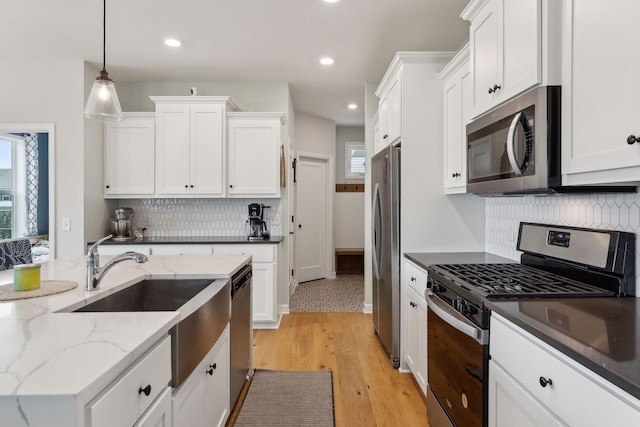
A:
(457, 363)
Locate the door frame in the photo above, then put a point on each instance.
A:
(330, 272)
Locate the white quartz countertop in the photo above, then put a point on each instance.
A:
(45, 351)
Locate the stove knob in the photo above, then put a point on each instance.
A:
(437, 288)
(458, 304)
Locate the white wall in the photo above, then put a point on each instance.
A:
(371, 106)
(53, 91)
(315, 135)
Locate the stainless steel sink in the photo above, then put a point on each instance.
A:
(194, 335)
(150, 295)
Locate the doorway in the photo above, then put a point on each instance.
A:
(314, 224)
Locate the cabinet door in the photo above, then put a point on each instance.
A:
(216, 397)
(421, 362)
(159, 414)
(207, 150)
(254, 158)
(455, 176)
(383, 117)
(394, 113)
(129, 153)
(411, 356)
(377, 136)
(188, 400)
(263, 283)
(510, 404)
(173, 158)
(600, 85)
(486, 58)
(181, 250)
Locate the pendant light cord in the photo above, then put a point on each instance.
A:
(104, 35)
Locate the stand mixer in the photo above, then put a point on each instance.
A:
(122, 226)
(257, 226)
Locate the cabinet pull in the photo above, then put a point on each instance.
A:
(630, 140)
(146, 390)
(455, 175)
(211, 368)
(191, 185)
(385, 137)
(495, 88)
(186, 186)
(413, 304)
(544, 381)
(108, 186)
(413, 279)
(231, 186)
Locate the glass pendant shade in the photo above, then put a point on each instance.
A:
(103, 103)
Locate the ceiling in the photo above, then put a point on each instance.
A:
(240, 41)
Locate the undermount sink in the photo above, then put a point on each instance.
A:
(194, 335)
(150, 295)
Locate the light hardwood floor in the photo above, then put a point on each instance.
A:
(367, 390)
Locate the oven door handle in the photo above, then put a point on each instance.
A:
(453, 318)
(511, 145)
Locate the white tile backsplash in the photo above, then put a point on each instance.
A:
(199, 217)
(611, 212)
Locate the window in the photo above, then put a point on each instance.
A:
(354, 160)
(11, 185)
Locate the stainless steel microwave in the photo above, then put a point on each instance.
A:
(516, 149)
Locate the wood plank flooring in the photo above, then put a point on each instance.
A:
(367, 390)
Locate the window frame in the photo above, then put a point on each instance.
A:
(348, 147)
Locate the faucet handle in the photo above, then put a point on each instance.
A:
(94, 247)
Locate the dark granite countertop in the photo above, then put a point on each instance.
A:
(602, 334)
(194, 240)
(425, 259)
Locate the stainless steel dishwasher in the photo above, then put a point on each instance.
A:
(241, 331)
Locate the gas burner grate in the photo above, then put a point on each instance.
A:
(516, 280)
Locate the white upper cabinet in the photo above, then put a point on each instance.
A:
(255, 144)
(190, 139)
(390, 109)
(514, 47)
(129, 156)
(458, 96)
(600, 92)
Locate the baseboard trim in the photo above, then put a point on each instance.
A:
(367, 308)
(332, 275)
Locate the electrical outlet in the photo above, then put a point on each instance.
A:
(66, 224)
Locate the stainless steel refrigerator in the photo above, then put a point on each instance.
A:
(385, 224)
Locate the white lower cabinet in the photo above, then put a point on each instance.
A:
(531, 383)
(159, 414)
(125, 401)
(416, 349)
(203, 399)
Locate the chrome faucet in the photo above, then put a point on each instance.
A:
(95, 272)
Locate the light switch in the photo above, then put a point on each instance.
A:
(66, 224)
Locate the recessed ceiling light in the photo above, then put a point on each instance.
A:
(331, 1)
(352, 106)
(326, 61)
(173, 42)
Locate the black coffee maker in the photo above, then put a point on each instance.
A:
(257, 226)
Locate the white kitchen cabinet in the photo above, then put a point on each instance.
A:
(390, 108)
(377, 135)
(190, 145)
(129, 397)
(458, 97)
(255, 149)
(513, 47)
(129, 156)
(512, 405)
(184, 249)
(414, 308)
(203, 398)
(416, 349)
(574, 396)
(112, 250)
(600, 92)
(159, 414)
(264, 283)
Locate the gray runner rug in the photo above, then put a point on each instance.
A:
(288, 398)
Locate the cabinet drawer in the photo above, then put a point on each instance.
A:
(579, 397)
(118, 249)
(415, 277)
(181, 250)
(260, 253)
(123, 402)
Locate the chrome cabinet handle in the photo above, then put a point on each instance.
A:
(146, 390)
(544, 381)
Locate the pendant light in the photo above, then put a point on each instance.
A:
(103, 103)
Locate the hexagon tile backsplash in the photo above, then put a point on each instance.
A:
(605, 211)
(199, 217)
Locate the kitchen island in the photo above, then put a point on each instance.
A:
(54, 362)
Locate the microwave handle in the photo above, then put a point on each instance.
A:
(511, 144)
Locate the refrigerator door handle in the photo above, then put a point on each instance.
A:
(375, 233)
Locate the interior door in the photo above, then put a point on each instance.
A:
(311, 223)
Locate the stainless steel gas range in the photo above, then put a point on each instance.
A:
(557, 262)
